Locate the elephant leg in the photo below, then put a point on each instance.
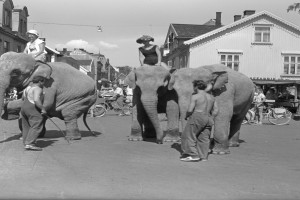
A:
(72, 130)
(221, 130)
(172, 132)
(136, 126)
(234, 131)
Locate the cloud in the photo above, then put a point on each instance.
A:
(78, 44)
(108, 45)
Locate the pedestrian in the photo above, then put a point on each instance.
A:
(195, 139)
(259, 100)
(32, 113)
(149, 54)
(119, 97)
(35, 47)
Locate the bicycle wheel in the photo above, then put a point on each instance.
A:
(279, 118)
(99, 110)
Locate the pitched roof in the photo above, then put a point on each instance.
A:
(191, 30)
(239, 22)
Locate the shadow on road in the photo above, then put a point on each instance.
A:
(177, 147)
(11, 138)
(57, 134)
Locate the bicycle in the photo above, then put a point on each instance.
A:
(102, 108)
(276, 116)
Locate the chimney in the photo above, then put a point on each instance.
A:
(218, 18)
(248, 12)
(237, 17)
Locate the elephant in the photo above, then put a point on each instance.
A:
(233, 92)
(68, 93)
(151, 97)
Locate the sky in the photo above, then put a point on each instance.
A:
(73, 23)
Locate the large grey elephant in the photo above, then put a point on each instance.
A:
(151, 97)
(68, 92)
(233, 92)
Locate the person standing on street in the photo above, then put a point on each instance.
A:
(195, 139)
(35, 47)
(32, 113)
(259, 105)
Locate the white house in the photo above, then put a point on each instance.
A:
(261, 46)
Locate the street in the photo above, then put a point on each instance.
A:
(265, 166)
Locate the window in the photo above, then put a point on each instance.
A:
(231, 60)
(6, 46)
(7, 17)
(291, 65)
(19, 49)
(262, 34)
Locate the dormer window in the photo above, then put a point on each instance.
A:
(262, 34)
(7, 18)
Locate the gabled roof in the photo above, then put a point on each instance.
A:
(51, 50)
(239, 22)
(191, 30)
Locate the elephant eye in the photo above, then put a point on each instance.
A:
(15, 72)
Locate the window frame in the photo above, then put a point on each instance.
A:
(232, 61)
(262, 42)
(7, 18)
(6, 46)
(290, 64)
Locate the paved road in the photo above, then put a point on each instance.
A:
(265, 166)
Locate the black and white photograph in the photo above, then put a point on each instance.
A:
(150, 99)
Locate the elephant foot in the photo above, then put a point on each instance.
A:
(135, 138)
(172, 136)
(234, 144)
(73, 134)
(171, 139)
(159, 141)
(219, 151)
(73, 138)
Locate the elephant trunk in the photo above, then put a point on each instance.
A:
(3, 86)
(150, 106)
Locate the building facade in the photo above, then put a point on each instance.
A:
(13, 27)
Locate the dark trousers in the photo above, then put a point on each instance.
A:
(195, 139)
(32, 122)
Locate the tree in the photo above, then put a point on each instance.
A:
(294, 7)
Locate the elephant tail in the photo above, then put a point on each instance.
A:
(85, 123)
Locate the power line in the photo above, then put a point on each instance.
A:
(62, 24)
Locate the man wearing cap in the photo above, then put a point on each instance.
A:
(35, 46)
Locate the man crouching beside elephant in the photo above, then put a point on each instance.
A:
(31, 113)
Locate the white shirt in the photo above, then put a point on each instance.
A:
(33, 47)
(119, 91)
(129, 91)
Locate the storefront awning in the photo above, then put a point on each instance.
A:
(275, 82)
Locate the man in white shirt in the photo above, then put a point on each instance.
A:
(120, 98)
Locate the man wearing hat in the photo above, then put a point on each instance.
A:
(35, 46)
(149, 54)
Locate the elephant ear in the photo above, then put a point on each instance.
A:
(130, 79)
(220, 78)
